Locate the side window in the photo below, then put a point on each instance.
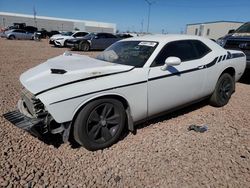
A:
(201, 48)
(18, 31)
(181, 49)
(101, 36)
(75, 35)
(208, 32)
(80, 34)
(196, 31)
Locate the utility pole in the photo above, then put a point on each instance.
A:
(34, 11)
(149, 10)
(142, 26)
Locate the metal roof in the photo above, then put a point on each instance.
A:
(90, 23)
(222, 21)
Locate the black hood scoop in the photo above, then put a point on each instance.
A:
(58, 71)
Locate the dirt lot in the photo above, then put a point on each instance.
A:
(163, 153)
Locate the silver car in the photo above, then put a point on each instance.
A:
(18, 34)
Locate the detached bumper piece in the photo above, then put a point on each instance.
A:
(38, 128)
(32, 125)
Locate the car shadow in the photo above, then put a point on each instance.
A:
(245, 79)
(173, 114)
(56, 139)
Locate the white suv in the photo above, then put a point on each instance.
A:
(60, 40)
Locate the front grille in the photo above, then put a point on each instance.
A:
(232, 44)
(34, 106)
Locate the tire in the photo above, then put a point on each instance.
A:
(12, 37)
(64, 44)
(99, 124)
(223, 90)
(84, 46)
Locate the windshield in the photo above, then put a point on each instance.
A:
(67, 33)
(134, 53)
(244, 28)
(89, 36)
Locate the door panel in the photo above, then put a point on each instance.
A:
(175, 86)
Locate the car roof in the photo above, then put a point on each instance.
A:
(164, 38)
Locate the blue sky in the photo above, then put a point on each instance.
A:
(171, 16)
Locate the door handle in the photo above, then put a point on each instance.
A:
(200, 67)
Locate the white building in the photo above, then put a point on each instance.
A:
(212, 30)
(51, 23)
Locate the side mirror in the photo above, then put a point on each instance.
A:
(171, 61)
(96, 37)
(231, 31)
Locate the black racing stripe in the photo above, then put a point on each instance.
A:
(136, 83)
(220, 59)
(127, 85)
(173, 74)
(212, 63)
(224, 57)
(76, 81)
(236, 55)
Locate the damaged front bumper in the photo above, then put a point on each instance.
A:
(32, 117)
(32, 125)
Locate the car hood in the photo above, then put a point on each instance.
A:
(64, 37)
(56, 36)
(240, 37)
(65, 69)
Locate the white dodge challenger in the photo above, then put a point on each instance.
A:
(94, 99)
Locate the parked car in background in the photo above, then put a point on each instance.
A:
(238, 40)
(60, 41)
(53, 32)
(92, 41)
(18, 34)
(124, 35)
(43, 33)
(30, 29)
(58, 35)
(94, 99)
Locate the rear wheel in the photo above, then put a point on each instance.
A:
(84, 46)
(12, 37)
(99, 124)
(223, 90)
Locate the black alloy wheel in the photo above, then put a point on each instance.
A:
(223, 90)
(99, 124)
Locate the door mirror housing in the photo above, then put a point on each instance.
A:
(96, 37)
(171, 61)
(231, 31)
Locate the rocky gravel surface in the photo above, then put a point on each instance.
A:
(163, 153)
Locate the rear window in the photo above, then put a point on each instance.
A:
(201, 48)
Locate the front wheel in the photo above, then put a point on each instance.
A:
(99, 124)
(84, 46)
(223, 90)
(12, 37)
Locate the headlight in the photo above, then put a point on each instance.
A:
(221, 42)
(60, 39)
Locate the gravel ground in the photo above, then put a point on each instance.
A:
(162, 153)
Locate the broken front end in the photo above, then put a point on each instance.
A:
(33, 117)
